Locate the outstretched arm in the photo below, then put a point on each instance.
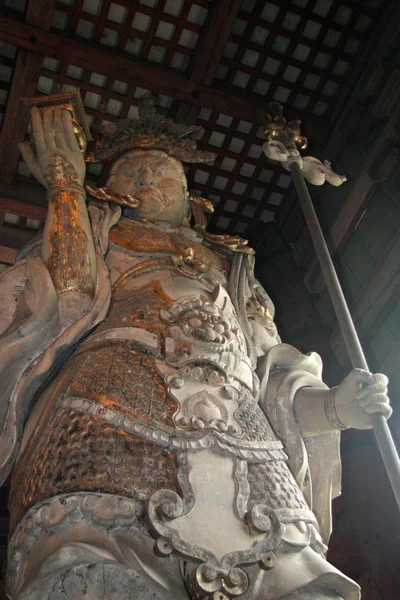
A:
(68, 248)
(349, 405)
(319, 410)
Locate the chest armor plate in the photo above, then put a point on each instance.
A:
(138, 238)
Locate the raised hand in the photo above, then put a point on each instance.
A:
(54, 140)
(360, 394)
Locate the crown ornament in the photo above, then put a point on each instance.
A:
(284, 143)
(149, 132)
(278, 129)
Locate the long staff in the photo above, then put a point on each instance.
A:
(286, 137)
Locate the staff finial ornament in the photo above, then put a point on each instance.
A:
(285, 141)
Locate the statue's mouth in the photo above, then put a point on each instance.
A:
(152, 193)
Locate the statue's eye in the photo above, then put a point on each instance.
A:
(159, 173)
(133, 173)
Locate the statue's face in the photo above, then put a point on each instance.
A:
(156, 183)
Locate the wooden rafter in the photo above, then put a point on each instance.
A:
(351, 213)
(99, 61)
(209, 51)
(24, 82)
(377, 169)
(114, 64)
(22, 209)
(375, 300)
(13, 237)
(212, 45)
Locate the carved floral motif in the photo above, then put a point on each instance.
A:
(198, 320)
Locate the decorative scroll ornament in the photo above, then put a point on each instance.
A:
(205, 205)
(148, 132)
(217, 577)
(284, 143)
(107, 195)
(205, 411)
(255, 309)
(228, 242)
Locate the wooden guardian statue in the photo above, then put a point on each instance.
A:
(164, 442)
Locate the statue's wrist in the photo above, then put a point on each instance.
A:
(62, 176)
(330, 411)
(70, 189)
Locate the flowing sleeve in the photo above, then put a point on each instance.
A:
(39, 330)
(314, 461)
(282, 370)
(34, 342)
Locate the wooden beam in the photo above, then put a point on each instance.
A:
(380, 99)
(25, 189)
(376, 299)
(209, 51)
(351, 213)
(378, 168)
(12, 237)
(116, 65)
(24, 84)
(382, 292)
(22, 209)
(380, 165)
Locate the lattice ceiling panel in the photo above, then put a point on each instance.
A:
(162, 31)
(243, 186)
(298, 52)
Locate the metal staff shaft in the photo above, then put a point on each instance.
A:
(381, 430)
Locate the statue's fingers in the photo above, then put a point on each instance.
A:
(362, 377)
(380, 378)
(48, 124)
(382, 408)
(374, 399)
(38, 132)
(31, 161)
(69, 131)
(59, 130)
(368, 390)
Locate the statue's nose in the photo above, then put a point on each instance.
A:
(147, 178)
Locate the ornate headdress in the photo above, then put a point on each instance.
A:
(149, 132)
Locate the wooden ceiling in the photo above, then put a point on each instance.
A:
(214, 63)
